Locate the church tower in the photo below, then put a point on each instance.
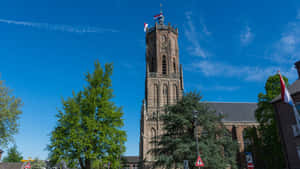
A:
(163, 84)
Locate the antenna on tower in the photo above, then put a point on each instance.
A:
(161, 8)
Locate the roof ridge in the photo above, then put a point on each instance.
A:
(228, 102)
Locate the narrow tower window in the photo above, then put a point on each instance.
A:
(152, 64)
(165, 95)
(174, 65)
(164, 65)
(153, 137)
(155, 98)
(175, 93)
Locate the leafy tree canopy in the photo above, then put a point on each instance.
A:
(38, 164)
(89, 126)
(9, 114)
(177, 143)
(266, 139)
(13, 155)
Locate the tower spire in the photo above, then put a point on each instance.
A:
(162, 18)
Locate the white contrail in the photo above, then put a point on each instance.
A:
(59, 27)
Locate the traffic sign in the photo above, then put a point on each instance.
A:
(249, 160)
(199, 162)
(250, 166)
(27, 165)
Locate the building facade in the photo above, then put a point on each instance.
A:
(289, 135)
(131, 162)
(164, 85)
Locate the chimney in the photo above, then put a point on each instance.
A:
(1, 151)
(297, 65)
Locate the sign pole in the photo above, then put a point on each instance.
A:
(196, 132)
(199, 162)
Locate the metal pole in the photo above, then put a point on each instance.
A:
(196, 132)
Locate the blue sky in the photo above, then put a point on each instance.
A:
(227, 48)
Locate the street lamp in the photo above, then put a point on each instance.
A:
(195, 112)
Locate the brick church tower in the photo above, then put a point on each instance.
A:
(163, 84)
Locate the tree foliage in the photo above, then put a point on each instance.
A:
(265, 139)
(89, 127)
(9, 114)
(13, 155)
(38, 164)
(177, 143)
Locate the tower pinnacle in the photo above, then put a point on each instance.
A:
(162, 18)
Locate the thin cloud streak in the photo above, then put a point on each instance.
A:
(218, 88)
(192, 36)
(286, 49)
(59, 27)
(247, 73)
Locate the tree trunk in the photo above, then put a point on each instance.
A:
(81, 163)
(88, 164)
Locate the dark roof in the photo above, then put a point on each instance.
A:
(235, 112)
(8, 165)
(131, 159)
(293, 89)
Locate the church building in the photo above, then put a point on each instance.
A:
(164, 85)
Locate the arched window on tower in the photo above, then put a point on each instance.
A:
(152, 64)
(155, 95)
(174, 65)
(153, 138)
(164, 65)
(165, 95)
(175, 93)
(154, 115)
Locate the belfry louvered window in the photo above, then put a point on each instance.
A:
(164, 65)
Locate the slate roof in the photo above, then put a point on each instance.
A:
(132, 159)
(293, 89)
(235, 111)
(7, 165)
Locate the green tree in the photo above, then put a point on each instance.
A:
(177, 143)
(9, 114)
(13, 155)
(89, 127)
(38, 164)
(265, 139)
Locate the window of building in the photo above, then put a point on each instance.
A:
(154, 115)
(298, 151)
(165, 95)
(175, 93)
(152, 64)
(155, 97)
(247, 141)
(233, 132)
(164, 65)
(153, 137)
(174, 65)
